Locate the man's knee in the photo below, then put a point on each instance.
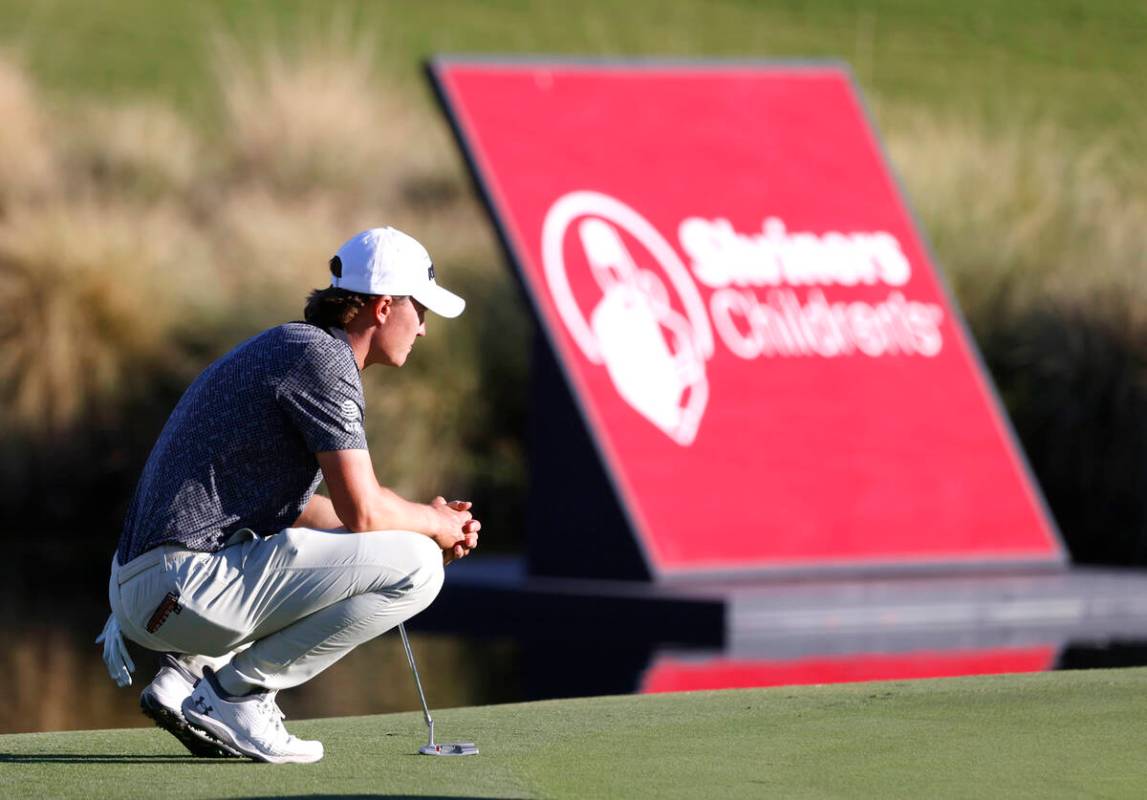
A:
(413, 562)
(427, 578)
(424, 573)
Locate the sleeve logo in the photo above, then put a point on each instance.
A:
(352, 416)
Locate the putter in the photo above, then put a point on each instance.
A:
(430, 748)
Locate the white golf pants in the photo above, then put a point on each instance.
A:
(302, 598)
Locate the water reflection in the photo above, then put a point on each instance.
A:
(54, 677)
(53, 605)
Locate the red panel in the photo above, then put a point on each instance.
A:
(748, 316)
(669, 674)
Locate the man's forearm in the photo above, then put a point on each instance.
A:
(362, 504)
(390, 511)
(387, 510)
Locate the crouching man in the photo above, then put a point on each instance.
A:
(231, 565)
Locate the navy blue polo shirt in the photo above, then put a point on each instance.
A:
(239, 449)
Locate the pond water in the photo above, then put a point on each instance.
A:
(54, 677)
(53, 605)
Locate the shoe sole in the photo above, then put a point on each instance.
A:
(217, 730)
(199, 744)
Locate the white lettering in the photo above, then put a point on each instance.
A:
(720, 257)
(783, 325)
(726, 308)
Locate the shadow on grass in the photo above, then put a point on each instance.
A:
(107, 758)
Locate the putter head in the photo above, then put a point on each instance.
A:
(449, 749)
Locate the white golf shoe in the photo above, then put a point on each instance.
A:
(252, 724)
(162, 701)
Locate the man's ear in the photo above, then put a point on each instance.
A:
(380, 308)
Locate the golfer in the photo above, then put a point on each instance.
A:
(231, 565)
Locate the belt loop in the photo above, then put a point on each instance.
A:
(241, 535)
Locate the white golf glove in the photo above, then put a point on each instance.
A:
(116, 657)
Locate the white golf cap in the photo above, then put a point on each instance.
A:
(387, 261)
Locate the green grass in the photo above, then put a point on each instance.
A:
(1077, 64)
(1068, 734)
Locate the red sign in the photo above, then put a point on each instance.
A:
(747, 315)
(669, 674)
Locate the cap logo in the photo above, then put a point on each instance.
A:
(337, 267)
(430, 272)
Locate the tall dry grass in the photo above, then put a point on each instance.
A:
(135, 149)
(270, 250)
(1047, 252)
(28, 164)
(1023, 216)
(92, 295)
(305, 112)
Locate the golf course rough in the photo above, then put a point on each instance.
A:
(1064, 734)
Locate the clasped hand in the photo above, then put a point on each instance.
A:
(459, 531)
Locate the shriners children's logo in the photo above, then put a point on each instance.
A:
(653, 344)
(647, 324)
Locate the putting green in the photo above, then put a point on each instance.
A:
(1066, 734)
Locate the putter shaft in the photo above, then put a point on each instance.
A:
(430, 748)
(417, 683)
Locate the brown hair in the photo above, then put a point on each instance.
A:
(333, 308)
